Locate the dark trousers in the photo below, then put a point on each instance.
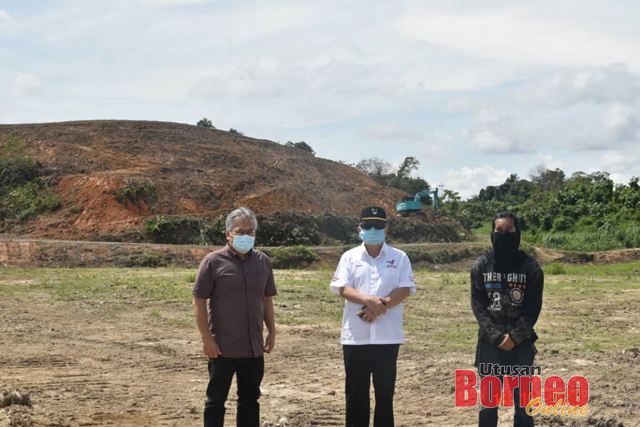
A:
(249, 374)
(520, 355)
(361, 362)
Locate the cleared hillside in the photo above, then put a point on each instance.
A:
(193, 172)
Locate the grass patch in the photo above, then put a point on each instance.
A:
(583, 310)
(293, 257)
(623, 268)
(554, 269)
(484, 229)
(145, 259)
(604, 239)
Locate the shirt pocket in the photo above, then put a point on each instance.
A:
(390, 279)
(257, 282)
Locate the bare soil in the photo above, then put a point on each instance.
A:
(196, 171)
(84, 366)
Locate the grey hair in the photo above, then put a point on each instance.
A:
(241, 212)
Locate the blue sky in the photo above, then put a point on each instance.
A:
(474, 90)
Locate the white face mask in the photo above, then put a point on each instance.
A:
(372, 236)
(243, 244)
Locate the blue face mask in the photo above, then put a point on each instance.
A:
(372, 236)
(243, 244)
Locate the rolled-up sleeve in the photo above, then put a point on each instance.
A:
(406, 275)
(342, 277)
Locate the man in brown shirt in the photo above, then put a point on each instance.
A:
(238, 282)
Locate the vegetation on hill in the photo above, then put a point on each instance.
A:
(176, 180)
(205, 123)
(24, 193)
(381, 171)
(585, 212)
(293, 229)
(301, 145)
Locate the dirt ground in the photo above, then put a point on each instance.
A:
(90, 357)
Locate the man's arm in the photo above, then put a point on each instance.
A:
(270, 321)
(397, 296)
(209, 345)
(393, 299)
(523, 329)
(375, 304)
(479, 303)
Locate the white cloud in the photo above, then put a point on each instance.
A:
(581, 109)
(566, 88)
(7, 25)
(468, 181)
(621, 162)
(25, 85)
(550, 162)
(427, 147)
(514, 34)
(170, 2)
(450, 73)
(391, 131)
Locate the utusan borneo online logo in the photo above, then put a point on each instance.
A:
(553, 396)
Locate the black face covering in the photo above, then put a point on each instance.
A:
(505, 248)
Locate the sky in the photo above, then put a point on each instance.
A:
(475, 90)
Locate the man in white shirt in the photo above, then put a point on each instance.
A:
(374, 279)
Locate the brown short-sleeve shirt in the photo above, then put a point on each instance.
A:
(236, 290)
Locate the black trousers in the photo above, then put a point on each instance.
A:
(361, 362)
(520, 355)
(249, 373)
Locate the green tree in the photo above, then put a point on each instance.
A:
(301, 145)
(409, 165)
(382, 172)
(375, 168)
(548, 180)
(205, 123)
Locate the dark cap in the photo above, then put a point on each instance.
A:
(373, 213)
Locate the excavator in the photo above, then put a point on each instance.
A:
(411, 206)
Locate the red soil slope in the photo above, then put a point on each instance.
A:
(196, 171)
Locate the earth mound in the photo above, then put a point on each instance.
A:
(112, 175)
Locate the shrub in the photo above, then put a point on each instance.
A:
(185, 230)
(28, 201)
(292, 257)
(562, 223)
(556, 269)
(16, 166)
(75, 209)
(301, 145)
(234, 131)
(145, 259)
(205, 123)
(134, 191)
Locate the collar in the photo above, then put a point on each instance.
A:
(383, 251)
(232, 253)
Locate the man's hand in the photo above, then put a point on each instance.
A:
(269, 343)
(507, 343)
(366, 315)
(210, 348)
(376, 305)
